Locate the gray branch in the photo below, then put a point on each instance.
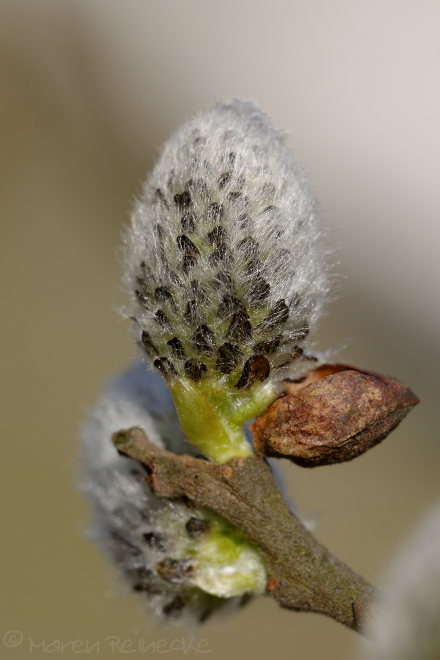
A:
(302, 574)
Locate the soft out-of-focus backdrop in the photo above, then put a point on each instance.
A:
(89, 90)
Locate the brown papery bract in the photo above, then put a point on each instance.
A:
(333, 415)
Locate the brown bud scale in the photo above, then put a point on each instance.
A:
(332, 417)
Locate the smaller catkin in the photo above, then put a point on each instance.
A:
(182, 558)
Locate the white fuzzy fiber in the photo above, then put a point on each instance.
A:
(224, 256)
(407, 626)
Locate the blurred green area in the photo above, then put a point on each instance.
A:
(88, 92)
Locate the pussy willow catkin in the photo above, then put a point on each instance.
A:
(226, 271)
(181, 558)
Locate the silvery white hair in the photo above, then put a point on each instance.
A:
(225, 265)
(407, 627)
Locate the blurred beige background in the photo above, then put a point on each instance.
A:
(89, 90)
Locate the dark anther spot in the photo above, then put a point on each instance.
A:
(174, 570)
(223, 179)
(214, 212)
(176, 347)
(183, 200)
(159, 231)
(154, 540)
(259, 292)
(163, 295)
(256, 369)
(249, 247)
(253, 266)
(228, 356)
(240, 327)
(146, 274)
(231, 157)
(117, 535)
(171, 177)
(144, 586)
(162, 254)
(282, 260)
(204, 340)
(234, 196)
(228, 306)
(245, 599)
(269, 210)
(143, 578)
(195, 290)
(198, 139)
(224, 279)
(188, 262)
(268, 189)
(195, 369)
(277, 316)
(297, 352)
(244, 221)
(144, 573)
(193, 313)
(171, 276)
(148, 345)
(267, 346)
(142, 298)
(188, 222)
(295, 300)
(217, 235)
(165, 366)
(198, 187)
(159, 196)
(142, 281)
(163, 320)
(174, 607)
(186, 245)
(220, 253)
(275, 232)
(301, 333)
(197, 526)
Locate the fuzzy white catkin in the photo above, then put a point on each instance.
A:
(141, 531)
(224, 256)
(407, 627)
(124, 508)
